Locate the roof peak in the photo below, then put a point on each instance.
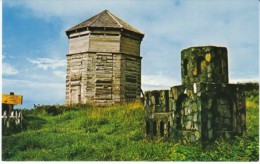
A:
(104, 19)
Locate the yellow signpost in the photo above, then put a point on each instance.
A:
(9, 115)
(12, 99)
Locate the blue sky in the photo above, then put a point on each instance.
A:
(34, 43)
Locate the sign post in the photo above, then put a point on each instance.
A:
(12, 99)
(8, 102)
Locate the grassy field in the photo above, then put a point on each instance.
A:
(86, 133)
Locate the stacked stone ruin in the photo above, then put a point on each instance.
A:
(104, 62)
(204, 107)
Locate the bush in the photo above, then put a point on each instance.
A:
(49, 109)
(55, 110)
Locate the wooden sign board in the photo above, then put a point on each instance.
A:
(12, 99)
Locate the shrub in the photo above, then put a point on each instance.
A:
(49, 109)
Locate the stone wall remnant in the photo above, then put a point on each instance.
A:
(204, 107)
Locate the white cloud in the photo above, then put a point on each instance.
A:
(157, 82)
(45, 63)
(47, 9)
(35, 92)
(9, 69)
(7, 56)
(61, 74)
(244, 80)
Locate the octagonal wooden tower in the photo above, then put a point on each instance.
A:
(104, 62)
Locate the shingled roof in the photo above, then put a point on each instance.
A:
(107, 20)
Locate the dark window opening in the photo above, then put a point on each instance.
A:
(166, 101)
(180, 107)
(185, 66)
(162, 129)
(154, 128)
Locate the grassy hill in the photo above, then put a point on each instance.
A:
(88, 133)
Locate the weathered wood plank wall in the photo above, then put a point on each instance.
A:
(104, 63)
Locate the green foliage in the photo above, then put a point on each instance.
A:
(13, 129)
(88, 133)
(55, 110)
(252, 92)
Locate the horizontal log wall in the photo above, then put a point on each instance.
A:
(79, 44)
(104, 43)
(103, 68)
(132, 77)
(104, 75)
(130, 46)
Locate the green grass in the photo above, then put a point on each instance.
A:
(86, 133)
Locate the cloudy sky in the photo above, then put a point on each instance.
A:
(34, 44)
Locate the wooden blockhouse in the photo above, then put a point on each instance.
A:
(104, 62)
